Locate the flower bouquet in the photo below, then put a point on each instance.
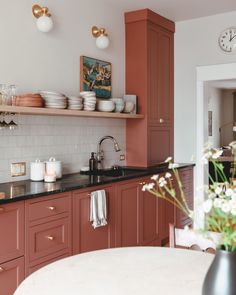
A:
(220, 213)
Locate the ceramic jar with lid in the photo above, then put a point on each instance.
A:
(37, 170)
(53, 166)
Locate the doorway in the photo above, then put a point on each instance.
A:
(206, 74)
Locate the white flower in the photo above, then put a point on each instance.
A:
(225, 207)
(162, 182)
(148, 186)
(168, 159)
(218, 190)
(217, 154)
(233, 211)
(207, 205)
(211, 195)
(155, 177)
(229, 192)
(218, 203)
(168, 175)
(173, 165)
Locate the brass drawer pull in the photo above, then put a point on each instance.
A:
(161, 120)
(142, 183)
(50, 238)
(52, 208)
(1, 269)
(1, 209)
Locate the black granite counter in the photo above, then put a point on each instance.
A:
(22, 190)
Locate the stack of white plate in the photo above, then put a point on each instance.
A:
(89, 100)
(75, 103)
(54, 100)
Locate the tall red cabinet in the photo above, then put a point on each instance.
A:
(150, 75)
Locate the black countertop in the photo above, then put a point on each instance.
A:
(26, 189)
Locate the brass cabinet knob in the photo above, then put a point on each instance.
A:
(1, 209)
(161, 120)
(1, 269)
(51, 238)
(52, 208)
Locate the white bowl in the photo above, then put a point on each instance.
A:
(129, 107)
(105, 105)
(119, 104)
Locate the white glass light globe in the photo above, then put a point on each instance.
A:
(44, 24)
(102, 42)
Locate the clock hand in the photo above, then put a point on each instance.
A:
(232, 38)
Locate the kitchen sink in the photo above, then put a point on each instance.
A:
(115, 172)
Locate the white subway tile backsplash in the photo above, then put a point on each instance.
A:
(70, 140)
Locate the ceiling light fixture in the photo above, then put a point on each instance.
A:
(102, 40)
(44, 21)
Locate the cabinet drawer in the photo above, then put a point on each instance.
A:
(49, 207)
(11, 231)
(49, 238)
(11, 275)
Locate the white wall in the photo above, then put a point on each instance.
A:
(33, 60)
(214, 98)
(196, 44)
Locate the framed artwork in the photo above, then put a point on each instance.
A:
(95, 75)
(209, 123)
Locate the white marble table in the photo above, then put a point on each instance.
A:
(121, 271)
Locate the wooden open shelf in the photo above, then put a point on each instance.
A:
(66, 112)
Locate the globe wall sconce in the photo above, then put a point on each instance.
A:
(44, 21)
(102, 40)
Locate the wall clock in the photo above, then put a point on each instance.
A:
(227, 40)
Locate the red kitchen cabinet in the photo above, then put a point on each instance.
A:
(85, 237)
(48, 230)
(11, 275)
(137, 219)
(186, 176)
(150, 75)
(11, 231)
(149, 234)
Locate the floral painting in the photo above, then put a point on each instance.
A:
(95, 75)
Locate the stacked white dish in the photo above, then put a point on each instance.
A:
(89, 100)
(54, 99)
(75, 103)
(106, 105)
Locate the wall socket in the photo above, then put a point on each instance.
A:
(122, 157)
(18, 169)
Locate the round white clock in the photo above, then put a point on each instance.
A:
(227, 40)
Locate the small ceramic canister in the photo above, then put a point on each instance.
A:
(53, 166)
(37, 170)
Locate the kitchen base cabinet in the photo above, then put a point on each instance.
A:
(186, 176)
(11, 275)
(48, 230)
(85, 237)
(137, 219)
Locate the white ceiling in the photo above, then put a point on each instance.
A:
(178, 10)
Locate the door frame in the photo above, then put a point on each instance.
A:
(205, 74)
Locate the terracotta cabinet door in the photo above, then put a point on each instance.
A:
(11, 275)
(127, 195)
(186, 176)
(148, 212)
(11, 231)
(85, 237)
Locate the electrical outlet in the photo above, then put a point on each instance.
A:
(122, 157)
(18, 169)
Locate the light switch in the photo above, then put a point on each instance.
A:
(18, 169)
(122, 157)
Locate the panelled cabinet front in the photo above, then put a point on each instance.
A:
(85, 237)
(150, 61)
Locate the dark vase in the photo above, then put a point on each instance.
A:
(221, 276)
